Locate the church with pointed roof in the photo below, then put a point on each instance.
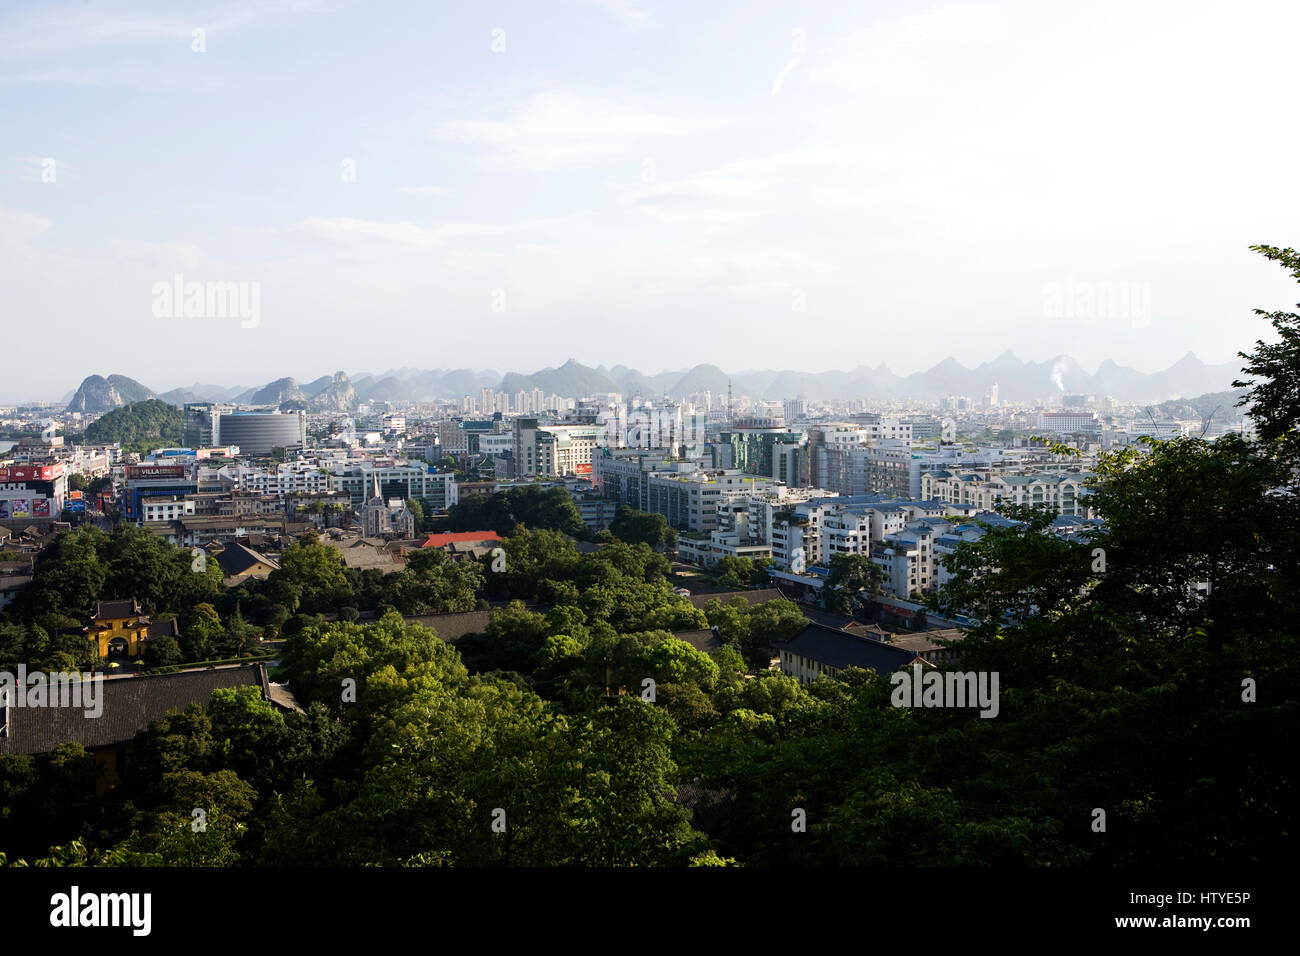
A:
(380, 517)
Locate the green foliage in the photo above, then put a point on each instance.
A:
(140, 426)
(163, 651)
(1120, 662)
(849, 574)
(741, 573)
(311, 577)
(417, 511)
(432, 583)
(86, 565)
(549, 508)
(1273, 369)
(640, 527)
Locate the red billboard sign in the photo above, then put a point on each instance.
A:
(583, 469)
(31, 472)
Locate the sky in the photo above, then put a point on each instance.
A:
(752, 184)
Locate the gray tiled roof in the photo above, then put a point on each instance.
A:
(167, 628)
(840, 649)
(116, 609)
(452, 627)
(706, 640)
(130, 704)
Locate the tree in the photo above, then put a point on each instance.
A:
(311, 576)
(163, 651)
(549, 508)
(139, 426)
(158, 574)
(239, 635)
(849, 574)
(432, 583)
(640, 527)
(1274, 398)
(201, 633)
(481, 513)
(531, 557)
(68, 576)
(770, 624)
(730, 619)
(670, 661)
(417, 511)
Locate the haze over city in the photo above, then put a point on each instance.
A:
(759, 185)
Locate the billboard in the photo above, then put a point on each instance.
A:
(31, 472)
(155, 471)
(20, 507)
(40, 507)
(583, 469)
(4, 508)
(74, 504)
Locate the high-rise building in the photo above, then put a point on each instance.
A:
(257, 433)
(200, 427)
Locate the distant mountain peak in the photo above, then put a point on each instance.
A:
(97, 394)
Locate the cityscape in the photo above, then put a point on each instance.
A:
(593, 463)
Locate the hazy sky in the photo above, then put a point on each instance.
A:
(754, 184)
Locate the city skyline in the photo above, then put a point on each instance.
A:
(1186, 378)
(474, 188)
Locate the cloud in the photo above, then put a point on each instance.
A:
(629, 12)
(344, 229)
(916, 48)
(793, 182)
(51, 46)
(561, 129)
(80, 26)
(18, 227)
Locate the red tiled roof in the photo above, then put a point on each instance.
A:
(442, 540)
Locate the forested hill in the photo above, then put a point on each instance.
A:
(151, 423)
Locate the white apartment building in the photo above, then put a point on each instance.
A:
(908, 559)
(989, 491)
(298, 477)
(1067, 423)
(493, 445)
(946, 543)
(165, 508)
(889, 429)
(753, 525)
(690, 500)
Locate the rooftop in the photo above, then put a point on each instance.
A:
(130, 704)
